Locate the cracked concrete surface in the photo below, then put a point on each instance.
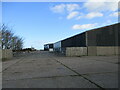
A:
(42, 69)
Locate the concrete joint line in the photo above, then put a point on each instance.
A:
(99, 73)
(39, 77)
(12, 64)
(79, 74)
(106, 61)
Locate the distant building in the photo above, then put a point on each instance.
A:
(48, 47)
(100, 37)
(75, 41)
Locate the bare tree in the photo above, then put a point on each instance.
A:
(17, 43)
(6, 37)
(9, 40)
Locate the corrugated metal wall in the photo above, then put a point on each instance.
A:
(105, 36)
(75, 41)
(57, 46)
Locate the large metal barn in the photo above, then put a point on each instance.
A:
(92, 42)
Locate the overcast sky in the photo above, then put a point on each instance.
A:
(48, 22)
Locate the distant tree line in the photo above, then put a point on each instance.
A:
(9, 40)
